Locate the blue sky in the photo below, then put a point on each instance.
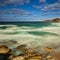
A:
(29, 10)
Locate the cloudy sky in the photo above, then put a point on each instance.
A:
(29, 10)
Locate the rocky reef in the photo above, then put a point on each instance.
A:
(22, 52)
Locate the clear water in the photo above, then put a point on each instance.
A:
(31, 33)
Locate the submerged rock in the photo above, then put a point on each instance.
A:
(21, 57)
(4, 56)
(10, 43)
(4, 49)
(17, 52)
(23, 52)
(4, 52)
(48, 49)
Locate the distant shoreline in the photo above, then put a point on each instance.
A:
(53, 20)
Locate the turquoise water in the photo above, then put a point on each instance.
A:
(30, 33)
(28, 24)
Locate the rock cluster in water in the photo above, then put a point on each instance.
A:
(24, 53)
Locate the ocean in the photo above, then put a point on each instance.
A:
(33, 34)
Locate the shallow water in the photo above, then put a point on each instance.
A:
(33, 34)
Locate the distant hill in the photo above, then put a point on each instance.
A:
(53, 20)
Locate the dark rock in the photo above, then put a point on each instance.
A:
(4, 56)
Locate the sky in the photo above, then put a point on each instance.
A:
(29, 10)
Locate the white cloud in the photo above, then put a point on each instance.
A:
(38, 7)
(20, 2)
(15, 11)
(48, 7)
(58, 0)
(27, 1)
(42, 1)
(14, 14)
(51, 7)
